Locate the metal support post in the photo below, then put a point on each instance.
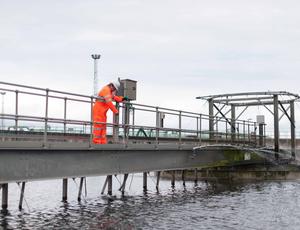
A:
(173, 178)
(109, 182)
(200, 129)
(126, 120)
(65, 115)
(104, 186)
(116, 125)
(17, 110)
(145, 187)
(293, 129)
(233, 123)
(4, 197)
(46, 118)
(157, 127)
(211, 118)
(180, 127)
(158, 179)
(92, 123)
(261, 134)
(65, 190)
(276, 127)
(22, 196)
(183, 177)
(122, 188)
(80, 188)
(196, 177)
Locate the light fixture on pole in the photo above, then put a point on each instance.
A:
(96, 57)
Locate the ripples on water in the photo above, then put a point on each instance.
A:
(266, 205)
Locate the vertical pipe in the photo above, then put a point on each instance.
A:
(17, 110)
(4, 197)
(96, 57)
(233, 129)
(80, 189)
(92, 122)
(116, 125)
(158, 179)
(65, 190)
(276, 127)
(109, 181)
(145, 187)
(293, 129)
(173, 178)
(211, 118)
(180, 127)
(46, 118)
(65, 115)
(22, 196)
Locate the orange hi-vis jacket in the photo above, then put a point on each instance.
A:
(99, 113)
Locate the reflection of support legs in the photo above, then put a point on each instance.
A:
(22, 196)
(157, 181)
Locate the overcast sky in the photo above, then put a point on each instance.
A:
(175, 49)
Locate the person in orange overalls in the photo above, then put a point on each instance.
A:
(107, 95)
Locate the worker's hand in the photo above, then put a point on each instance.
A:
(125, 98)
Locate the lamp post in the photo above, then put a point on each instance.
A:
(2, 110)
(96, 57)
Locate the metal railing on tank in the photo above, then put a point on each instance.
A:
(136, 123)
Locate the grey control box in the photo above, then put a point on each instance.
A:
(128, 89)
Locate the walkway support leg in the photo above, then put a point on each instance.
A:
(4, 197)
(158, 179)
(145, 181)
(196, 177)
(293, 129)
(183, 177)
(276, 126)
(65, 190)
(122, 188)
(104, 186)
(22, 196)
(173, 179)
(80, 188)
(109, 182)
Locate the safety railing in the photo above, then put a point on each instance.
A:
(33, 112)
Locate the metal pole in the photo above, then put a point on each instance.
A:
(180, 127)
(65, 115)
(109, 188)
(96, 57)
(276, 127)
(183, 177)
(173, 178)
(157, 127)
(145, 181)
(116, 125)
(158, 179)
(200, 129)
(22, 196)
(196, 177)
(4, 197)
(92, 122)
(293, 129)
(17, 110)
(65, 190)
(211, 118)
(261, 134)
(80, 189)
(46, 118)
(233, 131)
(2, 110)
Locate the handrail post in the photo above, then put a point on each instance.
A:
(157, 127)
(244, 131)
(180, 124)
(46, 118)
(91, 123)
(17, 110)
(65, 115)
(200, 128)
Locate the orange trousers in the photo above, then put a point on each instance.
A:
(99, 132)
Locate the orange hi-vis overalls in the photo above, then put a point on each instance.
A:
(99, 113)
